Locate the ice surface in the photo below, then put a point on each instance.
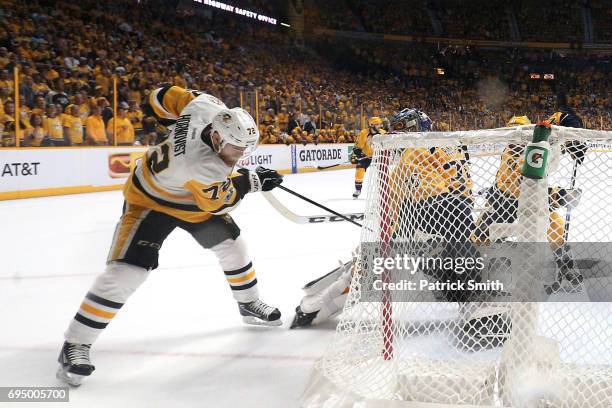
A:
(179, 341)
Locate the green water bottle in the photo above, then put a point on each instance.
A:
(536, 152)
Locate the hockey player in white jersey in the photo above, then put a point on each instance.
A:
(185, 182)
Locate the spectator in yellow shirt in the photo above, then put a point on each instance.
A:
(135, 115)
(9, 130)
(8, 114)
(5, 138)
(38, 135)
(40, 106)
(40, 86)
(82, 106)
(53, 126)
(73, 127)
(134, 93)
(51, 74)
(283, 118)
(103, 80)
(94, 127)
(5, 80)
(25, 112)
(125, 130)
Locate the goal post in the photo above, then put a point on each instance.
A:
(469, 289)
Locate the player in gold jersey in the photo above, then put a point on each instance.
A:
(185, 182)
(362, 152)
(502, 198)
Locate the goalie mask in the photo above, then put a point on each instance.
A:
(236, 127)
(410, 120)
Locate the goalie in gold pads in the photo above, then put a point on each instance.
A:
(430, 197)
(186, 182)
(362, 152)
(429, 191)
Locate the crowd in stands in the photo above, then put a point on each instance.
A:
(381, 16)
(336, 15)
(67, 55)
(549, 20)
(482, 88)
(601, 14)
(458, 19)
(544, 20)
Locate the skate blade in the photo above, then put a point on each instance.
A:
(69, 378)
(295, 324)
(258, 322)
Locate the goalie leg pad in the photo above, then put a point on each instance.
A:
(320, 284)
(564, 197)
(329, 301)
(502, 209)
(484, 325)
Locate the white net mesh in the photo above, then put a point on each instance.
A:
(543, 340)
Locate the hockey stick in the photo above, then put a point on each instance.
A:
(577, 278)
(568, 213)
(308, 200)
(310, 219)
(313, 165)
(300, 219)
(333, 165)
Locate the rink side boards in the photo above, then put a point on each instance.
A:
(32, 172)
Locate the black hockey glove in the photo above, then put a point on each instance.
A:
(356, 155)
(262, 179)
(269, 178)
(364, 162)
(359, 158)
(576, 149)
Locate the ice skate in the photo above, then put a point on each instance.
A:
(259, 313)
(302, 319)
(74, 363)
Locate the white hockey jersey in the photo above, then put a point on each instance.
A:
(183, 176)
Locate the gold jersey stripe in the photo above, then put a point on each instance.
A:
(128, 224)
(97, 312)
(244, 278)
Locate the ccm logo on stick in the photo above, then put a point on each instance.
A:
(334, 218)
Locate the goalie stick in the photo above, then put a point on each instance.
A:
(568, 215)
(310, 219)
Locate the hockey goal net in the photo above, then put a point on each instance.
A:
(528, 322)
